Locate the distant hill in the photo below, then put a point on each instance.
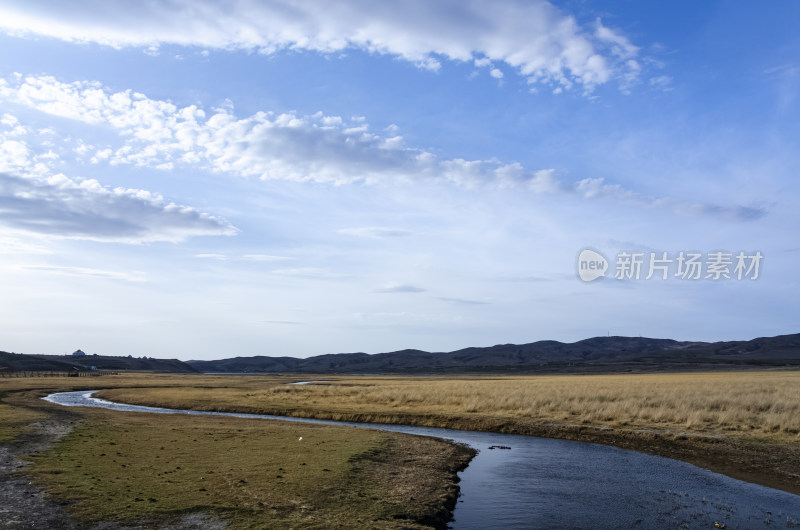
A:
(599, 354)
(31, 363)
(61, 363)
(608, 354)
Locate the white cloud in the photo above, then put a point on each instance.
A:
(619, 44)
(463, 301)
(23, 150)
(134, 276)
(399, 288)
(540, 41)
(545, 181)
(14, 155)
(33, 199)
(595, 188)
(308, 272)
(8, 120)
(63, 207)
(375, 232)
(264, 257)
(663, 82)
(245, 257)
(14, 245)
(287, 146)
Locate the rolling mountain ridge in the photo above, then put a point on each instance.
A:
(595, 354)
(598, 354)
(69, 363)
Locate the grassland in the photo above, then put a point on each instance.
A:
(744, 424)
(152, 469)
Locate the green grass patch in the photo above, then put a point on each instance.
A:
(15, 420)
(255, 473)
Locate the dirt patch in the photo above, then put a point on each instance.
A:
(418, 475)
(23, 504)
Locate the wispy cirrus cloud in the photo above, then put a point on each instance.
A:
(287, 146)
(264, 257)
(522, 279)
(244, 257)
(134, 276)
(541, 42)
(375, 232)
(309, 272)
(400, 288)
(597, 188)
(462, 301)
(20, 245)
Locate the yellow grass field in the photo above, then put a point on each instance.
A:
(760, 404)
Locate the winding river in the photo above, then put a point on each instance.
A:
(546, 483)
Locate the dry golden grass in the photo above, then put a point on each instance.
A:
(761, 404)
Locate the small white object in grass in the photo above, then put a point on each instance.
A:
(301, 439)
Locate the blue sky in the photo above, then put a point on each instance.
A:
(199, 180)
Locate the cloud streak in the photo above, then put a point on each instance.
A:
(375, 232)
(540, 42)
(316, 148)
(462, 301)
(309, 272)
(400, 288)
(135, 276)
